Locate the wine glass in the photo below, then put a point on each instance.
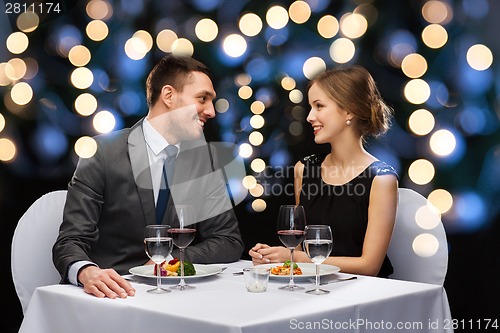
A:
(291, 223)
(158, 245)
(182, 217)
(318, 245)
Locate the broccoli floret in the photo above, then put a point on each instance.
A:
(188, 269)
(287, 264)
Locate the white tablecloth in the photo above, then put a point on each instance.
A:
(221, 304)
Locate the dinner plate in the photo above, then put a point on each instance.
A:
(308, 271)
(201, 271)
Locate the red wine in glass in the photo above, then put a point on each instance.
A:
(291, 224)
(182, 237)
(289, 238)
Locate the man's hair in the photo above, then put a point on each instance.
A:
(174, 71)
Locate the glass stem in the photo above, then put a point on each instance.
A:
(291, 266)
(158, 277)
(181, 252)
(317, 276)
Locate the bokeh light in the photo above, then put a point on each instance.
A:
(342, 50)
(296, 96)
(257, 191)
(256, 138)
(27, 21)
(99, 10)
(79, 55)
(257, 121)
(425, 245)
(250, 24)
(441, 199)
(434, 36)
(104, 121)
(299, 11)
(234, 45)
(313, 66)
(21, 93)
(328, 26)
(479, 57)
(414, 65)
(97, 30)
(257, 107)
(17, 42)
(206, 30)
(182, 47)
(2, 122)
(288, 83)
(7, 150)
(438, 12)
(259, 205)
(145, 37)
(249, 182)
(15, 69)
(443, 142)
(427, 217)
(85, 104)
(222, 105)
(82, 78)
(245, 92)
(353, 25)
(417, 91)
(258, 165)
(277, 17)
(421, 171)
(85, 147)
(245, 150)
(421, 122)
(135, 48)
(166, 39)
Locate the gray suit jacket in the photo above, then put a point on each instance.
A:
(110, 201)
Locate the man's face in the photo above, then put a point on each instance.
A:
(192, 107)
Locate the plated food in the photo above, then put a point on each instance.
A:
(173, 268)
(285, 269)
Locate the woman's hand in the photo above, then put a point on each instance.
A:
(265, 254)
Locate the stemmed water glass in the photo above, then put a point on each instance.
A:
(318, 245)
(158, 245)
(291, 223)
(183, 233)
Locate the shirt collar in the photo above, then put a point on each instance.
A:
(156, 142)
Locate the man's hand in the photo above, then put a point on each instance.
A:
(104, 283)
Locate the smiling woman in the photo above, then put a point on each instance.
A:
(347, 189)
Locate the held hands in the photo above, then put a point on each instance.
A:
(104, 283)
(265, 254)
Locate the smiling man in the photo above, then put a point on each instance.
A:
(113, 195)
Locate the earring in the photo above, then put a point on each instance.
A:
(348, 122)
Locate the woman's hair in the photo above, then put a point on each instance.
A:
(172, 70)
(354, 90)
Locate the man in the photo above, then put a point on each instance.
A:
(114, 194)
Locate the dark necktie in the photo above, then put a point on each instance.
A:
(164, 192)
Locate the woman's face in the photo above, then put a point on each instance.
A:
(326, 117)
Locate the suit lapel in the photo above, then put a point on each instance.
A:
(139, 161)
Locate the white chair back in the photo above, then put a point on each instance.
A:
(35, 234)
(418, 249)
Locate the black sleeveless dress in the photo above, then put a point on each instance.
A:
(343, 207)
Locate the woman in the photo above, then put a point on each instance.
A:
(348, 189)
